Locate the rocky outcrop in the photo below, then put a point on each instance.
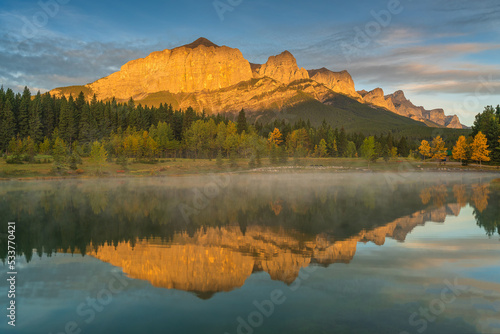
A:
(376, 98)
(198, 66)
(253, 96)
(405, 107)
(282, 68)
(339, 82)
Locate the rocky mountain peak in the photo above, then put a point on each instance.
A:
(339, 82)
(282, 68)
(202, 41)
(405, 107)
(376, 97)
(399, 96)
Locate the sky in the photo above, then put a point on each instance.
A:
(441, 53)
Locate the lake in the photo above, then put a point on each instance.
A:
(256, 253)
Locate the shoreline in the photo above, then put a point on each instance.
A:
(186, 167)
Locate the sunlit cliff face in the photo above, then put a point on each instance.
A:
(215, 79)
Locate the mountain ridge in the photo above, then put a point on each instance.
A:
(217, 79)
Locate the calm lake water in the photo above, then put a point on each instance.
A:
(274, 253)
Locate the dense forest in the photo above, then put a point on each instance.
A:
(70, 128)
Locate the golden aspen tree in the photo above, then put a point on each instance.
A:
(460, 149)
(425, 149)
(438, 149)
(479, 148)
(275, 137)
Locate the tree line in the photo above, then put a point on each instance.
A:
(482, 145)
(70, 128)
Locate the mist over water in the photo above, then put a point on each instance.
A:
(349, 251)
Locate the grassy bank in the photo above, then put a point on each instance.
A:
(200, 166)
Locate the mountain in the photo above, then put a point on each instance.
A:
(405, 107)
(206, 76)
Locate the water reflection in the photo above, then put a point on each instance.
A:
(277, 225)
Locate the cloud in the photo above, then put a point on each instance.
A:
(51, 61)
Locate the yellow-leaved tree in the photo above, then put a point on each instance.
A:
(479, 148)
(425, 149)
(460, 150)
(98, 155)
(275, 137)
(438, 149)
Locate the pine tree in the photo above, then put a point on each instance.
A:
(79, 103)
(403, 147)
(241, 123)
(35, 119)
(342, 143)
(88, 126)
(48, 115)
(23, 117)
(67, 128)
(59, 150)
(7, 125)
(29, 148)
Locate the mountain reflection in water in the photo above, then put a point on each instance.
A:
(276, 225)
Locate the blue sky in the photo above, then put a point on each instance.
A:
(442, 53)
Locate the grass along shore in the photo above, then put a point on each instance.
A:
(45, 169)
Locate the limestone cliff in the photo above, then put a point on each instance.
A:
(282, 68)
(376, 97)
(405, 107)
(198, 66)
(254, 95)
(339, 82)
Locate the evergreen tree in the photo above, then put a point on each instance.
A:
(342, 143)
(23, 117)
(403, 147)
(7, 125)
(67, 128)
(35, 121)
(87, 131)
(79, 103)
(241, 123)
(29, 148)
(48, 115)
(59, 151)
